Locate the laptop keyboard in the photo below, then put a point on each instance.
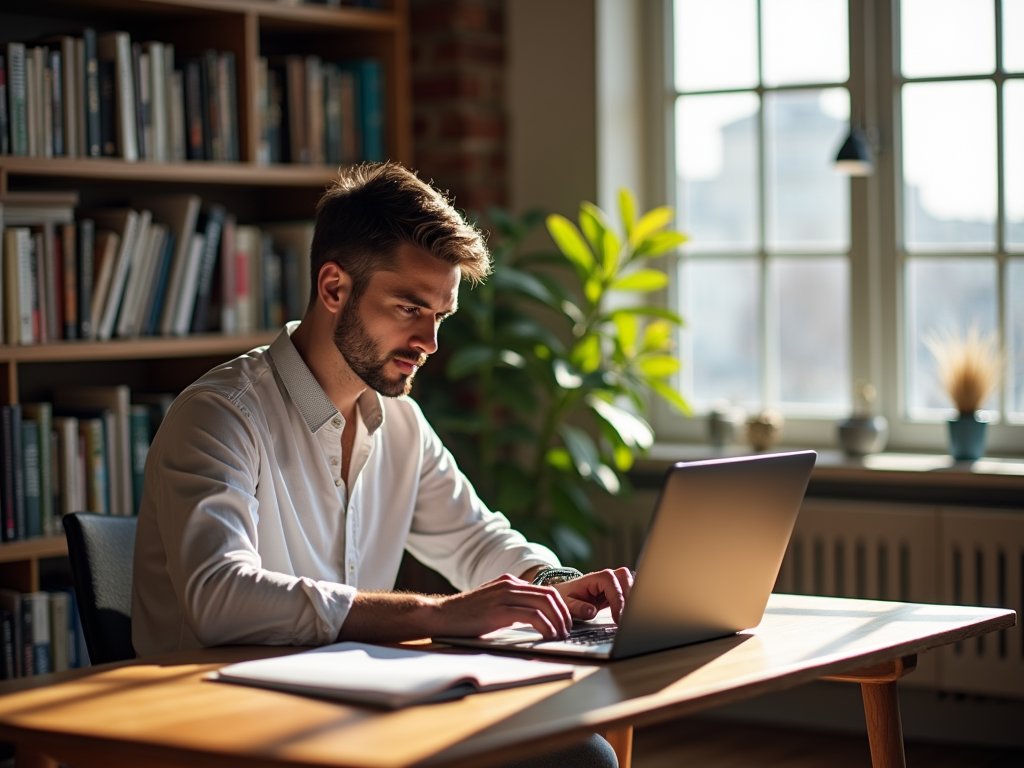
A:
(591, 635)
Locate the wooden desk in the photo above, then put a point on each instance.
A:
(161, 712)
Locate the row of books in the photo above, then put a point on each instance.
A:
(162, 266)
(84, 451)
(102, 95)
(316, 112)
(40, 632)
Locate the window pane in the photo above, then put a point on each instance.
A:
(715, 44)
(722, 307)
(1013, 158)
(949, 165)
(808, 202)
(1015, 342)
(805, 41)
(947, 37)
(1013, 33)
(947, 296)
(716, 158)
(809, 300)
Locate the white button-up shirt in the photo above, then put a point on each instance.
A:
(248, 533)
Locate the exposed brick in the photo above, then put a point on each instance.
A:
(473, 126)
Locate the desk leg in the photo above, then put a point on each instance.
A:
(885, 730)
(29, 758)
(621, 740)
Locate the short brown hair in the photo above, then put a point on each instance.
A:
(372, 209)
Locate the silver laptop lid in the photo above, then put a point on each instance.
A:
(713, 549)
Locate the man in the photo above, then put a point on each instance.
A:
(283, 486)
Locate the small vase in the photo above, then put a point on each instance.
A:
(967, 437)
(861, 435)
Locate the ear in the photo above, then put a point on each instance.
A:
(333, 287)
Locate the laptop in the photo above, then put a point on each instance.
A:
(710, 559)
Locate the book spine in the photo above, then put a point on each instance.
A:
(8, 667)
(176, 110)
(27, 650)
(30, 472)
(56, 100)
(93, 127)
(60, 632)
(228, 281)
(30, 286)
(32, 112)
(194, 119)
(8, 459)
(70, 93)
(86, 261)
(40, 602)
(158, 101)
(204, 289)
(96, 465)
(108, 108)
(140, 92)
(228, 105)
(69, 263)
(49, 280)
(43, 415)
(372, 96)
(17, 98)
(128, 140)
(160, 289)
(5, 143)
(139, 445)
(211, 94)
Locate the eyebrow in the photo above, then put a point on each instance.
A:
(416, 301)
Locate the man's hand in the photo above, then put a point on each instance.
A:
(591, 592)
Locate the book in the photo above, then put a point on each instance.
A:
(211, 227)
(125, 222)
(11, 603)
(195, 120)
(91, 80)
(8, 667)
(18, 289)
(158, 101)
(160, 280)
(140, 81)
(247, 278)
(369, 85)
(84, 275)
(116, 401)
(69, 281)
(55, 101)
(94, 459)
(17, 114)
(107, 76)
(228, 280)
(116, 47)
(182, 312)
(138, 416)
(5, 145)
(390, 677)
(294, 240)
(139, 271)
(107, 245)
(60, 632)
(42, 415)
(30, 472)
(13, 500)
(40, 637)
(67, 472)
(176, 116)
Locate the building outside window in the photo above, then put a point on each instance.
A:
(798, 280)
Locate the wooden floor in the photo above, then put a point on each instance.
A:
(718, 744)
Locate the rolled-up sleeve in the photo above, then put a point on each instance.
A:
(205, 468)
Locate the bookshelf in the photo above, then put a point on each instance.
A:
(252, 189)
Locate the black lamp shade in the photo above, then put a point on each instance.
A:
(855, 157)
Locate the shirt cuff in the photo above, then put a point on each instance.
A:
(332, 602)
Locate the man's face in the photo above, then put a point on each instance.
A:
(388, 333)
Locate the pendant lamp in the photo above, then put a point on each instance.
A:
(855, 157)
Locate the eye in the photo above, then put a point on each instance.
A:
(411, 311)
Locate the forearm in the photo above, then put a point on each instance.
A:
(391, 617)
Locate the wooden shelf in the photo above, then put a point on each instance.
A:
(131, 349)
(193, 171)
(33, 549)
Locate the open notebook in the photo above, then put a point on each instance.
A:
(389, 677)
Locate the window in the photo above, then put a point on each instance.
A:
(797, 280)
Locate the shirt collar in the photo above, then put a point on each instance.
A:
(305, 391)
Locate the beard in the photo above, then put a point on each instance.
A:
(363, 355)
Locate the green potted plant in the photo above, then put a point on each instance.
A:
(969, 368)
(546, 381)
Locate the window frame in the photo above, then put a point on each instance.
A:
(876, 256)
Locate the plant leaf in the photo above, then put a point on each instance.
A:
(651, 222)
(623, 458)
(582, 449)
(646, 311)
(586, 355)
(610, 249)
(627, 328)
(660, 366)
(510, 278)
(565, 376)
(469, 360)
(634, 431)
(659, 243)
(627, 210)
(657, 336)
(571, 243)
(642, 280)
(605, 477)
(670, 395)
(559, 458)
(592, 225)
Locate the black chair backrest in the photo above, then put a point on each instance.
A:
(101, 549)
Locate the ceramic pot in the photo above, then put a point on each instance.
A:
(967, 437)
(861, 435)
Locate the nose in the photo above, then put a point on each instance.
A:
(425, 339)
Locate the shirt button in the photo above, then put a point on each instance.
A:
(334, 462)
(336, 421)
(337, 482)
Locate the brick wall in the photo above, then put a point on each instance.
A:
(459, 122)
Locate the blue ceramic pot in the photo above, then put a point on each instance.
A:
(967, 437)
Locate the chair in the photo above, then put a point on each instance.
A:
(101, 548)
